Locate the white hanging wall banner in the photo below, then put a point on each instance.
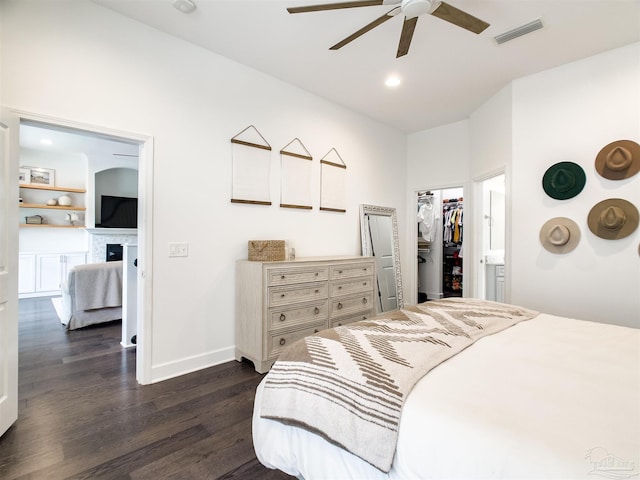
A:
(332, 182)
(251, 168)
(295, 176)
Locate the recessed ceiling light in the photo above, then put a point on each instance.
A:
(185, 6)
(46, 141)
(392, 81)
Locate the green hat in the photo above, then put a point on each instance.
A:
(564, 180)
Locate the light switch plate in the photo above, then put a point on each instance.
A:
(178, 249)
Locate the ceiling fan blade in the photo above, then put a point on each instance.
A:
(462, 19)
(378, 21)
(408, 27)
(335, 6)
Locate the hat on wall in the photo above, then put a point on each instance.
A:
(560, 235)
(619, 160)
(613, 218)
(564, 180)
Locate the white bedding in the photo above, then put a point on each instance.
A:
(548, 398)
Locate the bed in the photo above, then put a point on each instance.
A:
(544, 397)
(92, 294)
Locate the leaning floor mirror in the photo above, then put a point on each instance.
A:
(379, 232)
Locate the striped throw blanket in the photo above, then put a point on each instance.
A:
(349, 383)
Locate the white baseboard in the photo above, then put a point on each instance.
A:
(169, 370)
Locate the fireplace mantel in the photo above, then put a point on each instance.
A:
(112, 231)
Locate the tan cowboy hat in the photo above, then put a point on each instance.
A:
(619, 160)
(613, 218)
(560, 235)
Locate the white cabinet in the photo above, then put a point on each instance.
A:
(42, 274)
(278, 303)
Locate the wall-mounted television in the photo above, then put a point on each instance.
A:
(118, 212)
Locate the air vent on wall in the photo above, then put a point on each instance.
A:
(519, 31)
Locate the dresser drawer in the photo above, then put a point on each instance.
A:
(297, 294)
(290, 276)
(348, 287)
(338, 322)
(280, 318)
(278, 342)
(351, 270)
(350, 305)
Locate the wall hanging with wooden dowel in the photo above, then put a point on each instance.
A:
(332, 182)
(251, 168)
(295, 176)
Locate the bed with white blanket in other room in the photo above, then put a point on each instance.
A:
(92, 294)
(546, 398)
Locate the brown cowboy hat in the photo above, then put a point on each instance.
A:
(613, 218)
(619, 160)
(560, 235)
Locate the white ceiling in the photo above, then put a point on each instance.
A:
(448, 73)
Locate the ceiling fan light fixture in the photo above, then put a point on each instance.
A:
(415, 8)
(185, 6)
(392, 81)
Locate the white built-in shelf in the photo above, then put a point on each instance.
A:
(57, 207)
(55, 189)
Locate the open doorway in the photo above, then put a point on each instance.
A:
(490, 276)
(64, 211)
(440, 218)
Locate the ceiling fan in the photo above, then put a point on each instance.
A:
(411, 9)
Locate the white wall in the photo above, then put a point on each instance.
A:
(568, 114)
(81, 62)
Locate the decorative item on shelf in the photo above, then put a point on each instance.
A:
(267, 250)
(564, 180)
(34, 220)
(64, 200)
(619, 160)
(24, 176)
(39, 176)
(251, 167)
(72, 218)
(52, 202)
(613, 218)
(560, 235)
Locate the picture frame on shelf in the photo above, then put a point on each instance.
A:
(41, 176)
(24, 176)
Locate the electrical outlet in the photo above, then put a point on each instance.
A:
(178, 249)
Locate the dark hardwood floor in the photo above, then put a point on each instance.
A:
(82, 415)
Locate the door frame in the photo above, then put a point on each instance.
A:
(144, 321)
(479, 290)
(412, 246)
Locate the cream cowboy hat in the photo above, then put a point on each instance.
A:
(619, 160)
(613, 218)
(560, 235)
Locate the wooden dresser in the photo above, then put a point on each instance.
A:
(278, 303)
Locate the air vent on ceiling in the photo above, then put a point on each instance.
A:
(519, 31)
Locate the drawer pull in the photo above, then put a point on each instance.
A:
(365, 284)
(282, 277)
(282, 317)
(282, 295)
(364, 300)
(339, 306)
(282, 341)
(317, 274)
(340, 272)
(317, 290)
(364, 317)
(339, 324)
(316, 310)
(316, 331)
(340, 287)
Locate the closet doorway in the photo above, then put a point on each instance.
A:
(440, 218)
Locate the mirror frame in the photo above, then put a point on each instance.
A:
(366, 246)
